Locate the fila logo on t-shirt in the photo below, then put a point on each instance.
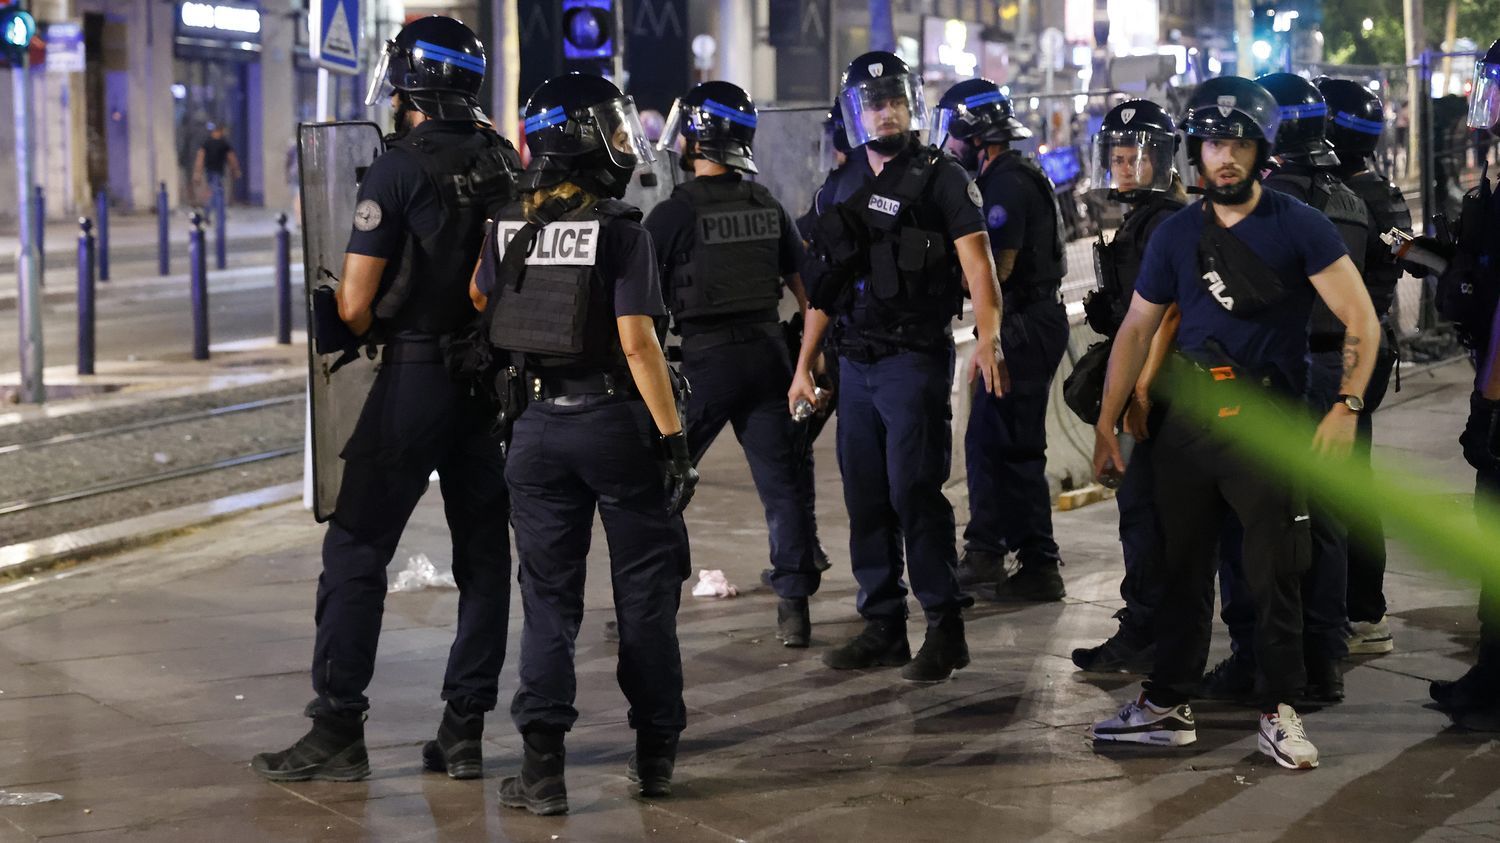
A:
(885, 204)
(558, 243)
(1217, 289)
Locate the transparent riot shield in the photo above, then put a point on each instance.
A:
(788, 151)
(667, 176)
(333, 157)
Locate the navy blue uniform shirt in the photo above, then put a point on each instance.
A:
(1293, 239)
(396, 198)
(1018, 217)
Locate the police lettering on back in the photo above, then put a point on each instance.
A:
(558, 244)
(739, 226)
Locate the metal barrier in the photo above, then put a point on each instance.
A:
(101, 210)
(85, 296)
(283, 282)
(198, 283)
(163, 220)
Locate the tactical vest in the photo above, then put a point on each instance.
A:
(1343, 207)
(1043, 261)
(558, 310)
(1469, 289)
(912, 289)
(1117, 263)
(1388, 210)
(731, 264)
(429, 290)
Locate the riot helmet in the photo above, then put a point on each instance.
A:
(835, 141)
(438, 63)
(1304, 120)
(976, 111)
(882, 102)
(1356, 117)
(1231, 108)
(1134, 151)
(718, 119)
(581, 128)
(1484, 102)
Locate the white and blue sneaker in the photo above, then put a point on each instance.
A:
(1283, 737)
(1142, 722)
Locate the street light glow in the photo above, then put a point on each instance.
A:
(1367, 24)
(1261, 49)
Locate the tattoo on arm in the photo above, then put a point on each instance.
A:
(1351, 358)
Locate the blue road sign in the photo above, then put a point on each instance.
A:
(336, 44)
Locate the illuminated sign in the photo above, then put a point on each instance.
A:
(219, 21)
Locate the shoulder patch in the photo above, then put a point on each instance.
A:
(367, 215)
(974, 195)
(997, 216)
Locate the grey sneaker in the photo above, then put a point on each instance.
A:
(1369, 639)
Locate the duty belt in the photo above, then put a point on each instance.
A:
(1030, 294)
(555, 387)
(713, 337)
(400, 352)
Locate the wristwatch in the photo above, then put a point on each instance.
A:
(1355, 403)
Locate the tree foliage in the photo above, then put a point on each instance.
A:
(1345, 41)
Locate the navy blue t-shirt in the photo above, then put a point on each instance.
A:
(396, 198)
(1292, 238)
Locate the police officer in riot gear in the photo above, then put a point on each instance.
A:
(416, 232)
(1133, 162)
(902, 237)
(570, 289)
(1005, 445)
(1356, 118)
(1303, 159)
(725, 246)
(1473, 700)
(1244, 265)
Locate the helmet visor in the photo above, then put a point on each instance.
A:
(380, 89)
(942, 120)
(882, 107)
(828, 147)
(667, 142)
(1484, 102)
(1130, 162)
(624, 138)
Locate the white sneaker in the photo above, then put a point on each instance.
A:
(1282, 737)
(1142, 722)
(1369, 639)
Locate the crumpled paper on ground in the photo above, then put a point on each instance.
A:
(8, 799)
(714, 584)
(420, 573)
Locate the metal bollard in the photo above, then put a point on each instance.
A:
(85, 296)
(219, 214)
(283, 282)
(163, 249)
(198, 279)
(40, 227)
(101, 225)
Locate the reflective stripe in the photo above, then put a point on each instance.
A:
(984, 98)
(551, 117)
(730, 114)
(447, 56)
(1310, 109)
(1358, 124)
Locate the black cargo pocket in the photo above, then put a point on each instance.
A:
(885, 277)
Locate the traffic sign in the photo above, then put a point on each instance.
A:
(335, 44)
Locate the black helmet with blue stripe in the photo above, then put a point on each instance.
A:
(438, 63)
(1356, 117)
(718, 118)
(977, 110)
(580, 127)
(1302, 134)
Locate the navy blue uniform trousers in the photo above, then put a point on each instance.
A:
(1005, 444)
(744, 385)
(566, 461)
(895, 444)
(415, 420)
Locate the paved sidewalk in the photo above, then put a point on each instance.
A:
(138, 688)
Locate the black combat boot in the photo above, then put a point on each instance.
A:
(793, 623)
(539, 788)
(1325, 681)
(652, 762)
(979, 567)
(1127, 651)
(943, 652)
(458, 750)
(333, 751)
(1039, 582)
(882, 643)
(1232, 680)
(1477, 689)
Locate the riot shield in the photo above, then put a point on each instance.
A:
(333, 158)
(668, 176)
(788, 152)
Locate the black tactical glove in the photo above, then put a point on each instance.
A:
(1480, 434)
(677, 472)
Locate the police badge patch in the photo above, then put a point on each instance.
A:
(996, 217)
(974, 195)
(367, 215)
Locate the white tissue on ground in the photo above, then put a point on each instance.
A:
(714, 584)
(420, 573)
